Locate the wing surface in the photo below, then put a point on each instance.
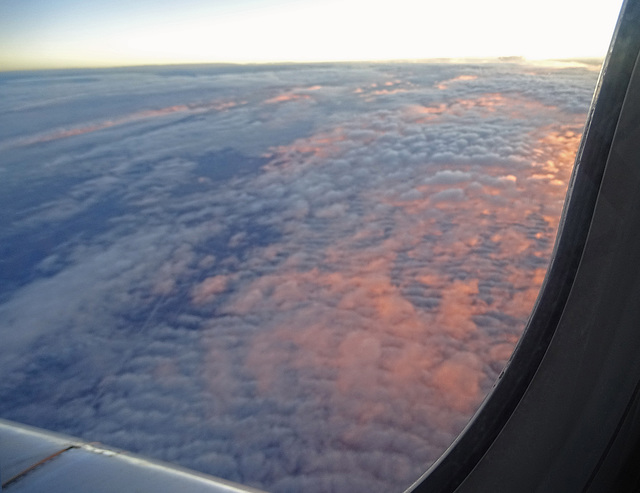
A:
(33, 460)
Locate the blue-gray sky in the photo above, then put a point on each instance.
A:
(75, 33)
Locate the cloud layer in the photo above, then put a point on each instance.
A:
(301, 279)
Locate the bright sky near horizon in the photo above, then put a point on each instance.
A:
(78, 33)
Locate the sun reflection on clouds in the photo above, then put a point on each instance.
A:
(460, 78)
(405, 304)
(378, 297)
(284, 98)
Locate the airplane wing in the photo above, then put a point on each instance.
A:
(33, 460)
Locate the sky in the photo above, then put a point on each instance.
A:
(75, 33)
(296, 278)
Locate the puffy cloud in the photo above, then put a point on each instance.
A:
(448, 195)
(310, 288)
(448, 177)
(208, 288)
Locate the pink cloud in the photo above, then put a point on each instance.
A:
(461, 78)
(209, 288)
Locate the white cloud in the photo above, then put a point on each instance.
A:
(328, 319)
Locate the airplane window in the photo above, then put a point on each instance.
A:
(297, 266)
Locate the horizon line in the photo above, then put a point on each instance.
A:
(578, 60)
